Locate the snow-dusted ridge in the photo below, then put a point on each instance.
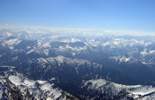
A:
(136, 91)
(29, 89)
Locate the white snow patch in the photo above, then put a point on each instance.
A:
(15, 80)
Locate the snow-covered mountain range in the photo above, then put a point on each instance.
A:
(61, 66)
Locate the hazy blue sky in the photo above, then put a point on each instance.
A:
(107, 14)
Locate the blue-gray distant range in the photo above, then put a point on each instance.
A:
(64, 66)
